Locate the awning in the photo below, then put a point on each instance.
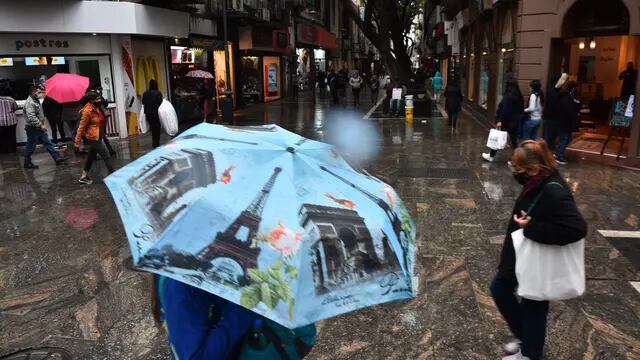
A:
(325, 39)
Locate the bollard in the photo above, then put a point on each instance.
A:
(408, 110)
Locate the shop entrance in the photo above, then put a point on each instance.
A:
(596, 53)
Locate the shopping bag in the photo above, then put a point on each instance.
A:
(497, 139)
(168, 118)
(143, 124)
(548, 272)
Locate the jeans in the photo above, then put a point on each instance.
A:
(564, 139)
(154, 123)
(33, 135)
(374, 96)
(527, 319)
(396, 106)
(97, 147)
(356, 96)
(530, 129)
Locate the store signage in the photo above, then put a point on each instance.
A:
(41, 43)
(6, 61)
(622, 113)
(272, 79)
(305, 34)
(280, 40)
(207, 44)
(36, 60)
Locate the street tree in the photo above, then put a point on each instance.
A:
(389, 24)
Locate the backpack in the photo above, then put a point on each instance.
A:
(269, 340)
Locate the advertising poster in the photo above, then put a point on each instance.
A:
(272, 79)
(621, 114)
(29, 61)
(6, 61)
(129, 88)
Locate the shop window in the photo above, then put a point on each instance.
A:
(251, 79)
(20, 73)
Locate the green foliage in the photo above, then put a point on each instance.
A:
(270, 286)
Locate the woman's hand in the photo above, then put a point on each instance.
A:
(522, 220)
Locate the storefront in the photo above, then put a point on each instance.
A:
(596, 56)
(262, 52)
(195, 97)
(311, 40)
(24, 64)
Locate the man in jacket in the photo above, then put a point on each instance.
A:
(34, 117)
(550, 113)
(53, 112)
(569, 119)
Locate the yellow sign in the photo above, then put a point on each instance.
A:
(146, 69)
(6, 61)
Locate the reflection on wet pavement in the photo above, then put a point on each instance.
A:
(65, 278)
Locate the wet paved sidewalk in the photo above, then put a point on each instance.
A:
(66, 278)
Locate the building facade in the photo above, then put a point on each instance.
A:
(527, 40)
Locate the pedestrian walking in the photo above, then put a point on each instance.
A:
(201, 325)
(547, 213)
(332, 80)
(436, 85)
(90, 129)
(36, 131)
(551, 112)
(151, 100)
(534, 110)
(355, 82)
(453, 102)
(8, 121)
(397, 105)
(508, 115)
(342, 81)
(322, 83)
(568, 119)
(53, 112)
(374, 85)
(628, 77)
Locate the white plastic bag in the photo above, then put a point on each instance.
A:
(497, 139)
(548, 272)
(168, 117)
(143, 124)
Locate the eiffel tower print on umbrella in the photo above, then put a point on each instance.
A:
(232, 250)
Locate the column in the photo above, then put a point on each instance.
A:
(118, 84)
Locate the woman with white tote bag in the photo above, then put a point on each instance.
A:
(545, 216)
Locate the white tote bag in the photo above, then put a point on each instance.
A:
(143, 124)
(168, 117)
(497, 139)
(548, 272)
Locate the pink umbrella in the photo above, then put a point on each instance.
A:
(201, 74)
(65, 88)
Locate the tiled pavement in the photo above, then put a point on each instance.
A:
(66, 281)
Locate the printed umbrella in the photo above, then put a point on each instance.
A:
(199, 74)
(267, 219)
(65, 88)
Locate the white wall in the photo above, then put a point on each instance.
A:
(72, 16)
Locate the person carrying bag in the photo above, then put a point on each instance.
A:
(544, 213)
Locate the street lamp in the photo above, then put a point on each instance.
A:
(226, 104)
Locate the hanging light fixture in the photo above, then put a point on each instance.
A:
(581, 44)
(592, 43)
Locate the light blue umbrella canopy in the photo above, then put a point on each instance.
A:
(267, 219)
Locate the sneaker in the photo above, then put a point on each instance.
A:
(512, 347)
(562, 162)
(487, 157)
(516, 356)
(61, 160)
(30, 166)
(85, 180)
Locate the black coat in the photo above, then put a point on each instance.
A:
(52, 109)
(551, 107)
(510, 112)
(555, 220)
(151, 99)
(454, 99)
(568, 112)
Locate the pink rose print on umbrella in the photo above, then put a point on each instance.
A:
(283, 240)
(391, 195)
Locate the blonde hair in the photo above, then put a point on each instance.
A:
(534, 155)
(562, 80)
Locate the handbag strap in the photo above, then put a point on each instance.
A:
(535, 201)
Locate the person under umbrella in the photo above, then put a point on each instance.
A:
(151, 100)
(53, 112)
(90, 129)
